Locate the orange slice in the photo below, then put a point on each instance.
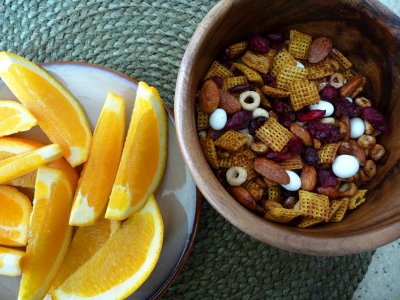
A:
(143, 157)
(49, 232)
(58, 113)
(123, 263)
(14, 118)
(10, 261)
(10, 146)
(15, 210)
(26, 162)
(86, 242)
(92, 194)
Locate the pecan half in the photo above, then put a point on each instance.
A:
(352, 86)
(302, 133)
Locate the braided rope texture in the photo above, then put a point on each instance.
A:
(146, 40)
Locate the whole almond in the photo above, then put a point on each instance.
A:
(319, 49)
(228, 102)
(354, 84)
(243, 197)
(257, 194)
(209, 96)
(271, 170)
(308, 178)
(331, 192)
(302, 133)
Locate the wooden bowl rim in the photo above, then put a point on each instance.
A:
(254, 226)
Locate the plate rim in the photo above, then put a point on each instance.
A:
(187, 250)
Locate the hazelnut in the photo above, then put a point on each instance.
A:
(366, 141)
(369, 129)
(290, 202)
(271, 204)
(317, 144)
(259, 147)
(370, 168)
(377, 152)
(363, 102)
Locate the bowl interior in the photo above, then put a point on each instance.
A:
(369, 35)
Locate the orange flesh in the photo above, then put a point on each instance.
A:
(47, 104)
(140, 157)
(133, 240)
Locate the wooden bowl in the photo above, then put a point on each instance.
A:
(370, 34)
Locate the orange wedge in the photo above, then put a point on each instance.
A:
(14, 118)
(86, 242)
(15, 210)
(49, 232)
(57, 111)
(10, 146)
(143, 157)
(123, 263)
(10, 261)
(26, 162)
(92, 194)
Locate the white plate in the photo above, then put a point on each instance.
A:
(176, 195)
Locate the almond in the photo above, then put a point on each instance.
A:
(243, 197)
(271, 170)
(351, 86)
(209, 97)
(302, 133)
(308, 178)
(331, 192)
(228, 102)
(319, 49)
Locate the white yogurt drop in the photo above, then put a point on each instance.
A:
(299, 65)
(218, 119)
(324, 105)
(357, 127)
(295, 182)
(345, 166)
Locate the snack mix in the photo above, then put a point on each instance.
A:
(285, 127)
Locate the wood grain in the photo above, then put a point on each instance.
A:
(369, 34)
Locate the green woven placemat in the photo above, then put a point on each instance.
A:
(146, 40)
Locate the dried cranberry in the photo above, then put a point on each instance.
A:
(311, 115)
(221, 176)
(281, 156)
(327, 133)
(277, 40)
(269, 80)
(214, 134)
(255, 124)
(326, 178)
(279, 106)
(218, 80)
(239, 120)
(223, 56)
(240, 88)
(295, 145)
(311, 156)
(287, 118)
(329, 92)
(345, 107)
(259, 44)
(376, 119)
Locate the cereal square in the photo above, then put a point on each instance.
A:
(209, 151)
(290, 74)
(303, 93)
(251, 75)
(219, 70)
(282, 60)
(327, 153)
(299, 44)
(274, 134)
(257, 62)
(232, 140)
(282, 215)
(233, 81)
(314, 205)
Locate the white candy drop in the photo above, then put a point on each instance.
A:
(295, 182)
(357, 128)
(218, 119)
(345, 166)
(299, 65)
(324, 105)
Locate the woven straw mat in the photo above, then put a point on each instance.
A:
(146, 40)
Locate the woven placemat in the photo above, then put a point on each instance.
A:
(146, 40)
